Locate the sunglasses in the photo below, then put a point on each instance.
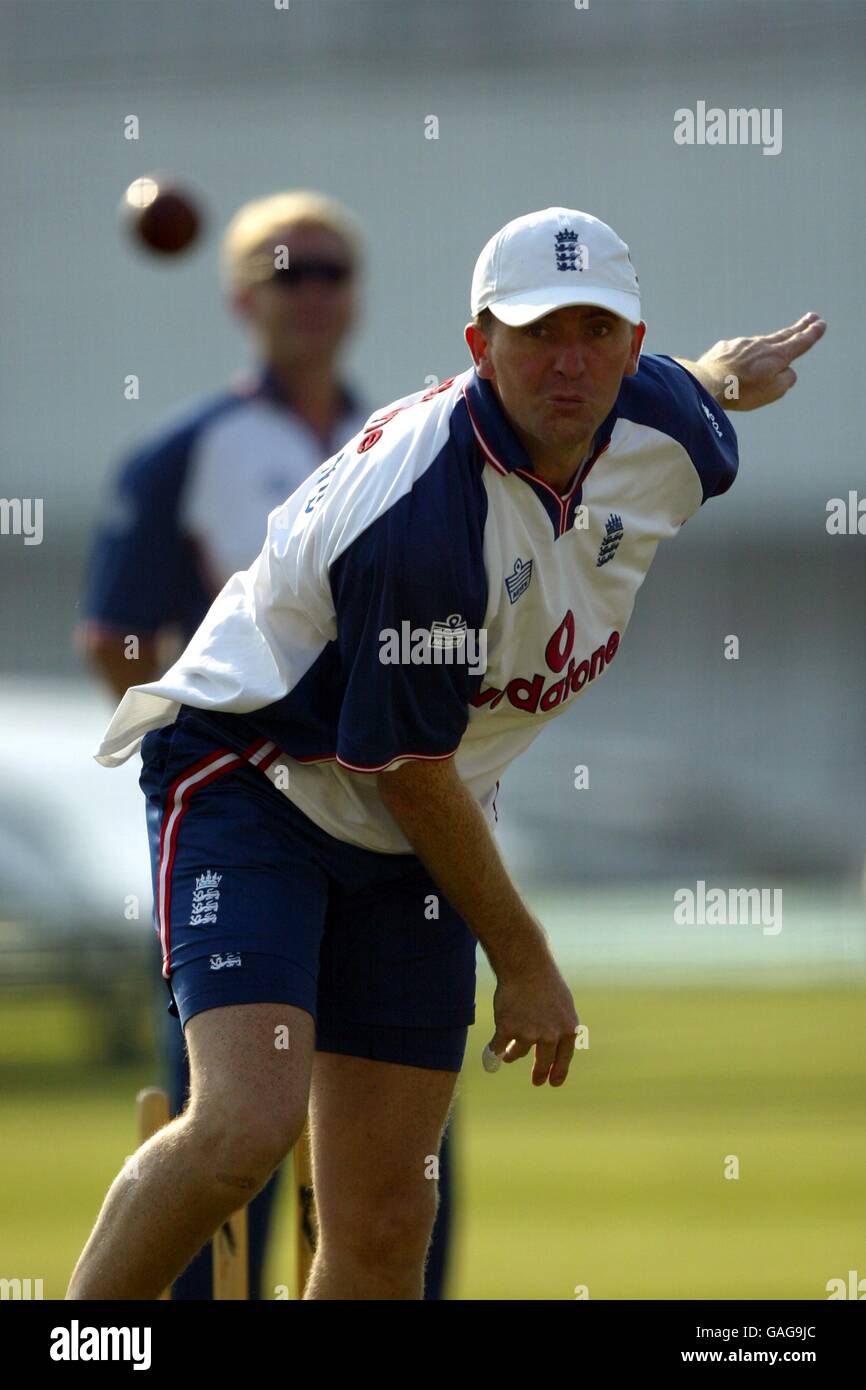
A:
(301, 272)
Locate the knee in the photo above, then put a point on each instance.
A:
(390, 1228)
(244, 1141)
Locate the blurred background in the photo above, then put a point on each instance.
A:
(705, 1041)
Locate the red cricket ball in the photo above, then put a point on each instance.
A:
(161, 216)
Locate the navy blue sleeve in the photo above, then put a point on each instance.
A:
(409, 589)
(699, 423)
(143, 572)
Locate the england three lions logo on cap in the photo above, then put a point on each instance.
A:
(520, 281)
(517, 582)
(569, 256)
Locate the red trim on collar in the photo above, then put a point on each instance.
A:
(482, 442)
(563, 500)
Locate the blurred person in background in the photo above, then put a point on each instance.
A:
(189, 508)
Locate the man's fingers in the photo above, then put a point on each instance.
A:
(545, 1056)
(552, 1061)
(564, 1054)
(798, 337)
(781, 334)
(804, 339)
(552, 1056)
(516, 1049)
(506, 1046)
(781, 383)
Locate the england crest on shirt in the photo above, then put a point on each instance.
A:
(613, 535)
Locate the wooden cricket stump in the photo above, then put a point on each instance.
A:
(230, 1257)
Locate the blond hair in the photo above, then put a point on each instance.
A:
(255, 227)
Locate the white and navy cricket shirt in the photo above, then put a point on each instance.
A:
(190, 506)
(427, 533)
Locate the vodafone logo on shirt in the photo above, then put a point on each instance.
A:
(536, 694)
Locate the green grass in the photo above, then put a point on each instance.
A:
(615, 1181)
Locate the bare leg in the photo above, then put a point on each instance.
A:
(248, 1099)
(376, 1129)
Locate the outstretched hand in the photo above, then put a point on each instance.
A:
(761, 366)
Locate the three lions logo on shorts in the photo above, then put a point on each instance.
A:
(205, 899)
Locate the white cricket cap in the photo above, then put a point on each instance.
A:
(550, 259)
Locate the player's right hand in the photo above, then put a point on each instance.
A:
(533, 1007)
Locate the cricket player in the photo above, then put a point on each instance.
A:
(190, 506)
(321, 764)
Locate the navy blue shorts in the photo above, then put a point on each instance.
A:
(254, 903)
